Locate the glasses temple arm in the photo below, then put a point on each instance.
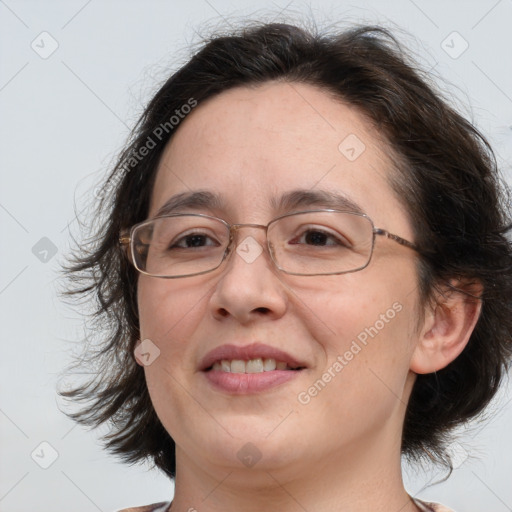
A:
(396, 238)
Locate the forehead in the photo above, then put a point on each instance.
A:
(251, 145)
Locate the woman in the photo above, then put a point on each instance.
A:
(304, 274)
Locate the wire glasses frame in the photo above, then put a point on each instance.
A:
(138, 250)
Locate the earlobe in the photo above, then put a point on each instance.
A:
(447, 327)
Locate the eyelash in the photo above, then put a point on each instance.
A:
(304, 233)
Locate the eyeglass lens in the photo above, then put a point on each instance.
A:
(308, 243)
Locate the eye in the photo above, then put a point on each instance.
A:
(193, 240)
(320, 238)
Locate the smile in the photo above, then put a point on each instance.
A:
(258, 365)
(246, 369)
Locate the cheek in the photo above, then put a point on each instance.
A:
(366, 326)
(165, 307)
(362, 381)
(358, 305)
(170, 313)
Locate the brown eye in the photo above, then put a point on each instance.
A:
(193, 240)
(319, 238)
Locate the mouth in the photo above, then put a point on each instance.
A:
(258, 365)
(249, 369)
(254, 358)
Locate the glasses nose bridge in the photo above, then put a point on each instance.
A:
(234, 240)
(234, 228)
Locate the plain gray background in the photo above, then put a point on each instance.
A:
(65, 114)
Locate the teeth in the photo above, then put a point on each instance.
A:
(237, 366)
(269, 365)
(252, 366)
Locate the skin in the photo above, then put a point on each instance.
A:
(341, 451)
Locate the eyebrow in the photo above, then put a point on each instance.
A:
(290, 201)
(306, 198)
(190, 201)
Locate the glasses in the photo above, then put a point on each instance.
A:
(306, 243)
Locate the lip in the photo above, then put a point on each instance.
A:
(246, 352)
(247, 383)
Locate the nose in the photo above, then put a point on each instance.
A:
(249, 287)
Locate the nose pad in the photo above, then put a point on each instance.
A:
(271, 250)
(231, 243)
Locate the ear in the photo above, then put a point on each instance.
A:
(447, 326)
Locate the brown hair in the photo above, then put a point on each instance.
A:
(447, 179)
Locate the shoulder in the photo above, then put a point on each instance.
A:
(431, 507)
(163, 506)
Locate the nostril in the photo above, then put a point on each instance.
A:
(262, 310)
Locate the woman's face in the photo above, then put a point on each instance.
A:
(354, 333)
